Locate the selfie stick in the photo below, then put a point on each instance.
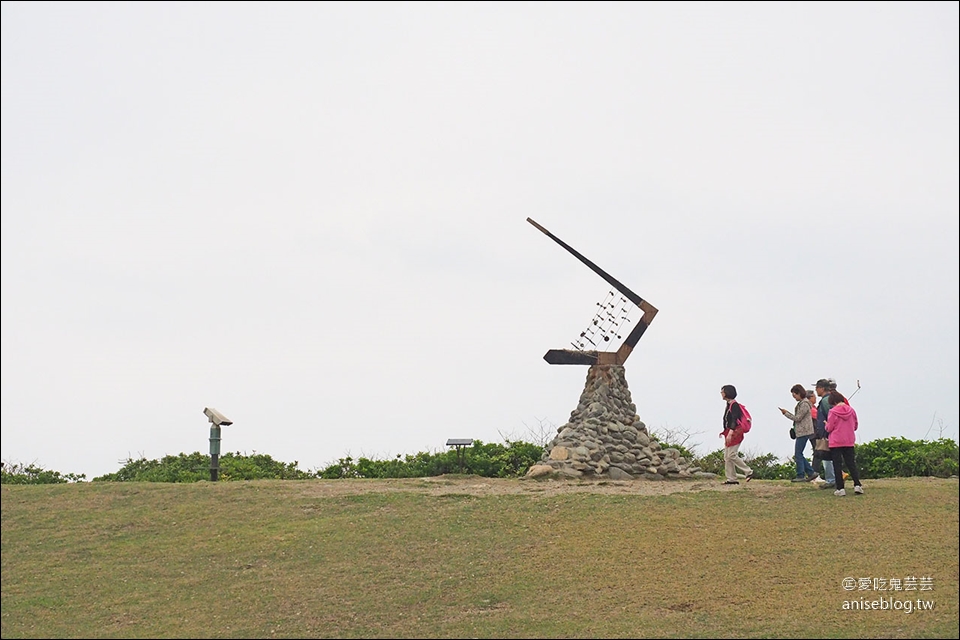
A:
(855, 392)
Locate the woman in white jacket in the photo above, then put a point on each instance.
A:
(803, 426)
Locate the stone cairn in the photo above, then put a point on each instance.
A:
(605, 437)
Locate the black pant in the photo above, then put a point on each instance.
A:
(845, 455)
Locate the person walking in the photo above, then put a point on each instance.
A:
(821, 437)
(803, 430)
(817, 461)
(842, 426)
(732, 435)
(811, 397)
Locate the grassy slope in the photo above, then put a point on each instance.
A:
(279, 559)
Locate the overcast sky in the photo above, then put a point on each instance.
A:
(312, 217)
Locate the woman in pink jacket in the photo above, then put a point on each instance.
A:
(841, 430)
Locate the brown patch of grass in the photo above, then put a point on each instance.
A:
(466, 556)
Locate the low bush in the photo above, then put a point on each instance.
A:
(899, 457)
(884, 458)
(196, 466)
(765, 467)
(491, 460)
(16, 473)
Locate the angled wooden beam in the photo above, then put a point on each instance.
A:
(616, 284)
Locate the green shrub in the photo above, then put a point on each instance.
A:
(234, 466)
(765, 467)
(711, 462)
(900, 457)
(196, 466)
(883, 458)
(770, 467)
(16, 473)
(491, 460)
(889, 457)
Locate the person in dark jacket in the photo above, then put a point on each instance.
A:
(822, 388)
(817, 460)
(732, 436)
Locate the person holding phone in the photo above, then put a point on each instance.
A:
(803, 427)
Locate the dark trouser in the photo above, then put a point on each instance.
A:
(818, 456)
(818, 464)
(841, 456)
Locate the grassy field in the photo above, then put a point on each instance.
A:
(470, 557)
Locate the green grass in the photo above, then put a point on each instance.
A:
(360, 559)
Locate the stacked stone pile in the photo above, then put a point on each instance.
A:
(605, 437)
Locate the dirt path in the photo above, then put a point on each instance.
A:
(478, 486)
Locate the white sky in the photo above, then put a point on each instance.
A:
(312, 217)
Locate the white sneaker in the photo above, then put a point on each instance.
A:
(858, 489)
(840, 493)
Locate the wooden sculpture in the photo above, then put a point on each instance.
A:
(591, 357)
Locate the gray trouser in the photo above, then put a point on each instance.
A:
(732, 462)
